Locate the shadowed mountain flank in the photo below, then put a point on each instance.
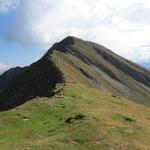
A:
(10, 76)
(38, 80)
(77, 61)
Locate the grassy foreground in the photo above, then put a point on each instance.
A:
(84, 119)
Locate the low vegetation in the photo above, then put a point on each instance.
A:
(83, 118)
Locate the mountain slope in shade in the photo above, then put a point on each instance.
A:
(38, 80)
(8, 77)
(78, 61)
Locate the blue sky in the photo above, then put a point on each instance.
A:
(13, 53)
(29, 27)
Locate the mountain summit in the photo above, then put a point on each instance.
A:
(74, 60)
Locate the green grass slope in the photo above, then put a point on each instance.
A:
(83, 119)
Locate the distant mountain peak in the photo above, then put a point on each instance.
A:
(69, 40)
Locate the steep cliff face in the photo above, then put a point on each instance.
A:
(75, 60)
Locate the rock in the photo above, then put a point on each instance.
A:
(59, 95)
(72, 119)
(129, 131)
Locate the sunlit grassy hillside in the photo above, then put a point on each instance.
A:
(83, 119)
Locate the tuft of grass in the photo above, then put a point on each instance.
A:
(125, 118)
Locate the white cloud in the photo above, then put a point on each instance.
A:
(3, 67)
(7, 5)
(121, 25)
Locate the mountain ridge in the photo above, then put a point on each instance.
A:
(76, 60)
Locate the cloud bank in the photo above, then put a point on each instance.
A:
(123, 26)
(3, 67)
(7, 5)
